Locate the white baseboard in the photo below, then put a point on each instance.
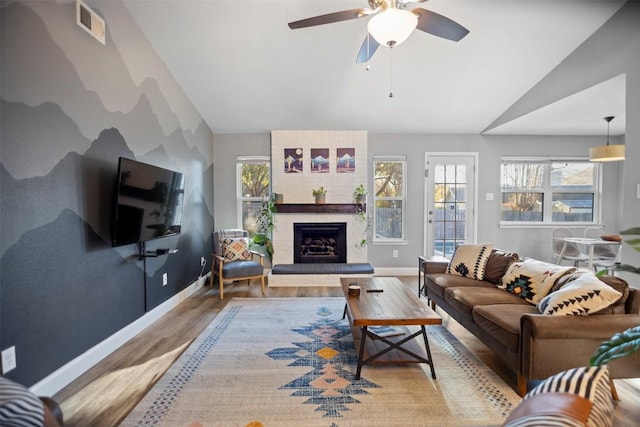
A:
(396, 271)
(60, 378)
(301, 280)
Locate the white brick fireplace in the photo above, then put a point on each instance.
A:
(297, 190)
(283, 235)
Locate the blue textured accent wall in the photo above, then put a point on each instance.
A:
(70, 108)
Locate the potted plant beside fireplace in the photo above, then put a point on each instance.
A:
(320, 195)
(360, 194)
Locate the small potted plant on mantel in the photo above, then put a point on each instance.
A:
(320, 195)
(360, 194)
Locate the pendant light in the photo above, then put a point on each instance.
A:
(607, 153)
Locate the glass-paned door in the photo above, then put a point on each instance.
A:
(449, 198)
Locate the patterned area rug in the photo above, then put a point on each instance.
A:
(291, 362)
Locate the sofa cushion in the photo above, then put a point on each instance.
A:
(470, 260)
(568, 278)
(621, 286)
(502, 321)
(531, 279)
(464, 299)
(437, 283)
(497, 265)
(585, 295)
(591, 383)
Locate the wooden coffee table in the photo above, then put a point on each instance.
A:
(395, 306)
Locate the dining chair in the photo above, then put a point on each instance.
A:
(604, 256)
(572, 251)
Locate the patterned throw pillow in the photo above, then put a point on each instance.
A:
(590, 382)
(470, 260)
(585, 295)
(236, 249)
(531, 279)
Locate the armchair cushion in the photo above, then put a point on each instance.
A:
(236, 249)
(232, 270)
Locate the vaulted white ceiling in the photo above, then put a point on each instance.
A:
(247, 72)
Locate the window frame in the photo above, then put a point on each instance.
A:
(403, 199)
(240, 199)
(548, 192)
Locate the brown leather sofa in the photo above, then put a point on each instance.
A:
(533, 345)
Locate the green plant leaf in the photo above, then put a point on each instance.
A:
(627, 267)
(634, 243)
(260, 239)
(620, 345)
(601, 273)
(632, 231)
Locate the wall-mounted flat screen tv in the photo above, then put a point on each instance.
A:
(147, 203)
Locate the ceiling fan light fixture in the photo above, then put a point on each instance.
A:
(392, 26)
(607, 153)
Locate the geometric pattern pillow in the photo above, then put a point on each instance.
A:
(584, 296)
(235, 249)
(531, 279)
(470, 260)
(590, 382)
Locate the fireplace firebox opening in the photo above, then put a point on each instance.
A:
(320, 242)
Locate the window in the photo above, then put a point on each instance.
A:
(549, 191)
(389, 198)
(252, 184)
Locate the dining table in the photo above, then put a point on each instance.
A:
(589, 243)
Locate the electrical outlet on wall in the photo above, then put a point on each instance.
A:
(9, 359)
(164, 279)
(395, 253)
(202, 261)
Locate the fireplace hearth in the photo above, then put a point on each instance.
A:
(319, 243)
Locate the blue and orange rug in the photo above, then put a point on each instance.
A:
(291, 362)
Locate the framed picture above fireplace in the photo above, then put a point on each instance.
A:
(345, 160)
(320, 160)
(293, 160)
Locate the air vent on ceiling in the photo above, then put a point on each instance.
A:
(88, 20)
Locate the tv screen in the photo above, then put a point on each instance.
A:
(147, 203)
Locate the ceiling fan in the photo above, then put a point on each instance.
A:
(391, 24)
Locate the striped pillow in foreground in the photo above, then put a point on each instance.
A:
(589, 382)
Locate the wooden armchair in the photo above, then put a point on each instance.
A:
(232, 259)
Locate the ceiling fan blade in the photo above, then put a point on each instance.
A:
(438, 25)
(329, 18)
(367, 49)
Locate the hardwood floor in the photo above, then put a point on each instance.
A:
(105, 394)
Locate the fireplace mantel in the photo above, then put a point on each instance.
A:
(327, 208)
